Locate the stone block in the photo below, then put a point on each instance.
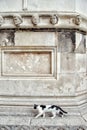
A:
(17, 120)
(30, 61)
(7, 5)
(81, 82)
(53, 5)
(81, 7)
(86, 43)
(67, 63)
(66, 84)
(80, 63)
(65, 123)
(34, 38)
(66, 41)
(80, 43)
(7, 38)
(0, 63)
(26, 63)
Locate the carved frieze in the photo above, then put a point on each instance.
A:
(43, 19)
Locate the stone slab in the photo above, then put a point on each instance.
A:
(67, 121)
(14, 120)
(34, 38)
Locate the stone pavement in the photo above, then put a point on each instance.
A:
(30, 123)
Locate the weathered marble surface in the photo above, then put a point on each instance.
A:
(26, 63)
(26, 123)
(8, 36)
(64, 63)
(81, 6)
(66, 40)
(7, 5)
(64, 68)
(34, 38)
(38, 5)
(80, 43)
(49, 53)
(64, 86)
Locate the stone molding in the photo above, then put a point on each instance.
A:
(45, 20)
(48, 52)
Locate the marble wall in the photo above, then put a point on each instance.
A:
(54, 64)
(40, 5)
(37, 5)
(43, 60)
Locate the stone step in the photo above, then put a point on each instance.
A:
(30, 123)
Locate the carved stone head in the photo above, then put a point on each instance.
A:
(17, 20)
(77, 20)
(1, 20)
(54, 19)
(35, 19)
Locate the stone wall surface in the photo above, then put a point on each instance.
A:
(51, 66)
(39, 5)
(43, 60)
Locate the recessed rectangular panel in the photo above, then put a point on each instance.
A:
(28, 62)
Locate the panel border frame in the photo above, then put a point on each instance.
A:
(42, 49)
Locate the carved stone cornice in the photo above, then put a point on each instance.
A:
(44, 20)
